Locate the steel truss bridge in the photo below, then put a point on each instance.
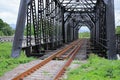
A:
(55, 22)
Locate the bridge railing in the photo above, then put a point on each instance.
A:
(6, 39)
(10, 39)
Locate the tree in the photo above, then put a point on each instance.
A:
(32, 30)
(118, 30)
(84, 35)
(1, 33)
(5, 29)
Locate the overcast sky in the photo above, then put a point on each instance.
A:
(9, 11)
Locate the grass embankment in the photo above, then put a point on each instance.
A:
(96, 69)
(6, 62)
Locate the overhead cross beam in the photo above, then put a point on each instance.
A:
(45, 18)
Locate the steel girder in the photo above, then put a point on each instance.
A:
(118, 43)
(50, 23)
(100, 39)
(110, 25)
(17, 44)
(104, 31)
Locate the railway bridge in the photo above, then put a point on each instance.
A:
(52, 23)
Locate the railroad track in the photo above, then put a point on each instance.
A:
(34, 72)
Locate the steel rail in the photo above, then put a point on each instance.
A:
(60, 55)
(34, 68)
(68, 55)
(64, 57)
(59, 74)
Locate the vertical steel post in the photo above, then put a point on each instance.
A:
(17, 43)
(110, 24)
(63, 26)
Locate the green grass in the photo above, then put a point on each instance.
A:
(6, 62)
(96, 69)
(84, 35)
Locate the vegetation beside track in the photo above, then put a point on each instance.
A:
(118, 30)
(6, 62)
(96, 68)
(84, 35)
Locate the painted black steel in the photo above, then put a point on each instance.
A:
(50, 23)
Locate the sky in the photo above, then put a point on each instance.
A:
(9, 11)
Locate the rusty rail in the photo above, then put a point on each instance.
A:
(74, 51)
(33, 69)
(71, 52)
(72, 45)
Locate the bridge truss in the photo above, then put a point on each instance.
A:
(51, 23)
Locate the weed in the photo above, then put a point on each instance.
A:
(6, 62)
(96, 68)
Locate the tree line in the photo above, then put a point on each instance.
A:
(87, 34)
(5, 29)
(84, 35)
(118, 30)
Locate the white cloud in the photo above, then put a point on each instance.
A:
(9, 10)
(117, 12)
(8, 17)
(84, 29)
(117, 4)
(117, 17)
